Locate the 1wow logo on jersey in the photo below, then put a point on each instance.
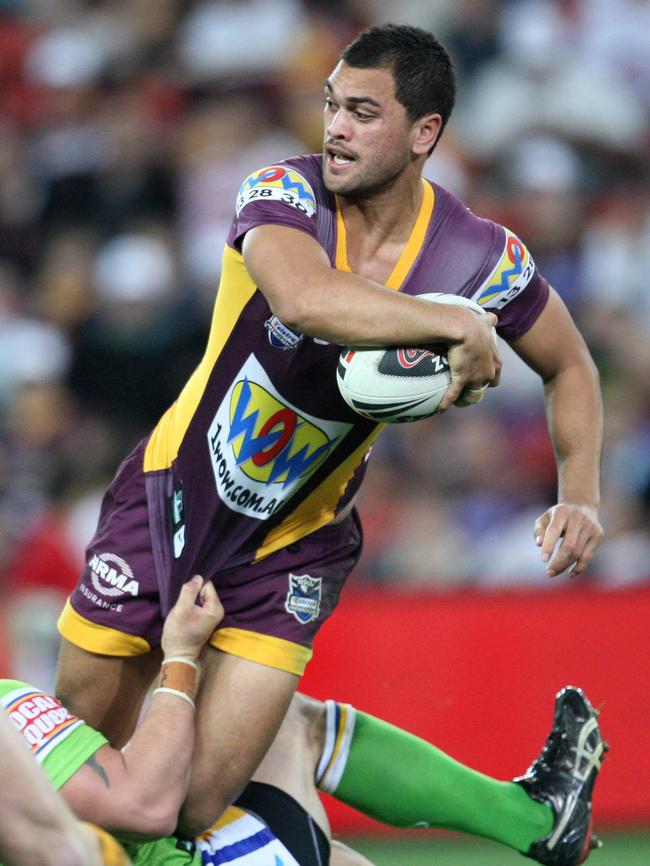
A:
(511, 275)
(263, 448)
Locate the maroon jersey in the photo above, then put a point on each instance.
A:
(261, 442)
(260, 450)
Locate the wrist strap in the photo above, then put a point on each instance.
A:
(177, 693)
(179, 675)
(184, 660)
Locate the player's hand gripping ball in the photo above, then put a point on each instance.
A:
(394, 385)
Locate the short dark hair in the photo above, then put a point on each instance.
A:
(424, 74)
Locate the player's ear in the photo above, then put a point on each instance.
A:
(425, 133)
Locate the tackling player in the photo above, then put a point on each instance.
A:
(387, 773)
(148, 780)
(250, 477)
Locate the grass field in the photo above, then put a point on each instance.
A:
(620, 849)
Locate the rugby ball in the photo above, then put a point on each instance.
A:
(398, 384)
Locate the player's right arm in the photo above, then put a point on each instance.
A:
(302, 289)
(138, 791)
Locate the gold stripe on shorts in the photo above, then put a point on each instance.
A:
(97, 638)
(275, 652)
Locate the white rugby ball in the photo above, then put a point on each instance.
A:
(397, 384)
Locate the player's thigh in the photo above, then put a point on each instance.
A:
(290, 763)
(273, 610)
(343, 856)
(105, 691)
(240, 707)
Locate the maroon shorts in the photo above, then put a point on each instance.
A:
(273, 607)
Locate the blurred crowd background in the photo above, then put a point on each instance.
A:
(126, 128)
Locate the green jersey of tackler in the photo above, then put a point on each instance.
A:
(62, 743)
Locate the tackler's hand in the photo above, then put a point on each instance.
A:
(192, 620)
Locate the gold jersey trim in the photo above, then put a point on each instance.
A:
(112, 853)
(319, 507)
(165, 441)
(232, 814)
(298, 523)
(411, 249)
(274, 652)
(97, 638)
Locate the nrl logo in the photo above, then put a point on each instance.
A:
(303, 598)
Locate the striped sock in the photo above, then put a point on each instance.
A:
(402, 780)
(340, 719)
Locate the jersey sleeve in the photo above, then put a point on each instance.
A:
(510, 286)
(58, 740)
(278, 195)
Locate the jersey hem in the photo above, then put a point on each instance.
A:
(97, 638)
(274, 652)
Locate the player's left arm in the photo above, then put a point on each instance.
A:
(555, 349)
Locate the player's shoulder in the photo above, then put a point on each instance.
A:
(455, 219)
(295, 181)
(498, 263)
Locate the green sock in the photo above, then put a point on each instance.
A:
(404, 781)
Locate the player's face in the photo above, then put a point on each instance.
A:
(367, 141)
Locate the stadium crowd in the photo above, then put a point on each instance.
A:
(125, 131)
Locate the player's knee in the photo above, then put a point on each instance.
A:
(312, 719)
(194, 821)
(198, 814)
(76, 672)
(67, 687)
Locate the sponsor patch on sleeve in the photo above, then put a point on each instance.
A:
(513, 272)
(41, 720)
(277, 183)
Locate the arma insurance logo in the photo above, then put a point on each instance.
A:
(263, 449)
(112, 576)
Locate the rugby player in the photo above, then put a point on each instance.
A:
(385, 772)
(148, 780)
(250, 477)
